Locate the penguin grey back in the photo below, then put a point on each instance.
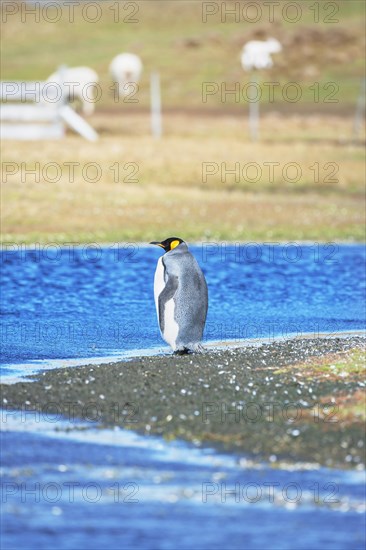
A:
(186, 285)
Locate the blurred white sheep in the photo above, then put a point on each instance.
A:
(256, 54)
(125, 70)
(79, 84)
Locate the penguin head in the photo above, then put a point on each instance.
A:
(169, 244)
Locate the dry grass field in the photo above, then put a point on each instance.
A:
(203, 180)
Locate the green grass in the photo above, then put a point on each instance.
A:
(341, 365)
(353, 364)
(342, 369)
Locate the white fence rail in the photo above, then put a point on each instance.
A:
(30, 117)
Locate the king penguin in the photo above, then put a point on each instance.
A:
(181, 296)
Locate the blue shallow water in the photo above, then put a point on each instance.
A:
(67, 488)
(79, 302)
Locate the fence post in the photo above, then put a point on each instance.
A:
(254, 112)
(360, 109)
(155, 99)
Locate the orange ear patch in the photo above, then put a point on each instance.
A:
(173, 244)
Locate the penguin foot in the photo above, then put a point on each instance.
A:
(200, 349)
(183, 351)
(196, 348)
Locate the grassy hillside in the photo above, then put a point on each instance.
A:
(189, 46)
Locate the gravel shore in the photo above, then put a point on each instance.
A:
(267, 401)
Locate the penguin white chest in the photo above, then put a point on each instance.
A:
(165, 310)
(159, 283)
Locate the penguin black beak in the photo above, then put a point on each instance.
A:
(157, 243)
